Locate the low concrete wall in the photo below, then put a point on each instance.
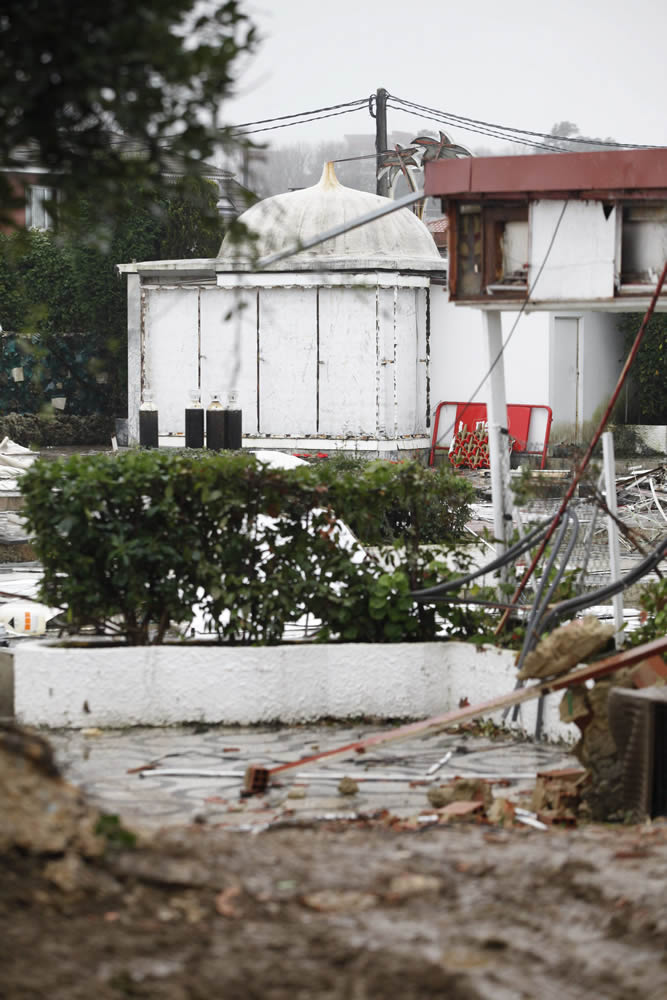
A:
(58, 686)
(654, 436)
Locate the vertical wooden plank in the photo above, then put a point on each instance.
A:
(229, 348)
(288, 361)
(170, 351)
(407, 368)
(386, 417)
(347, 361)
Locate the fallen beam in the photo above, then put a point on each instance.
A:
(257, 777)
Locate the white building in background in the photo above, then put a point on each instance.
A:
(351, 344)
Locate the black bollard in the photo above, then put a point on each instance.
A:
(194, 422)
(215, 425)
(233, 422)
(233, 430)
(148, 422)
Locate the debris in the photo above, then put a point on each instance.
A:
(40, 813)
(461, 790)
(339, 900)
(461, 808)
(439, 763)
(347, 786)
(529, 819)
(565, 647)
(557, 794)
(257, 776)
(223, 902)
(501, 812)
(412, 884)
(298, 792)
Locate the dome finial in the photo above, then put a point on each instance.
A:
(328, 178)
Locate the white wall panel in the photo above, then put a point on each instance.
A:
(347, 361)
(580, 263)
(287, 361)
(386, 344)
(229, 348)
(406, 366)
(423, 361)
(170, 352)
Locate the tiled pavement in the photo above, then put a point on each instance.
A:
(393, 777)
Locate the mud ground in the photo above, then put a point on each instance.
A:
(340, 910)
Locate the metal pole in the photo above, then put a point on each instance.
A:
(381, 184)
(498, 432)
(612, 531)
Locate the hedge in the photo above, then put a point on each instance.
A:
(133, 541)
(56, 429)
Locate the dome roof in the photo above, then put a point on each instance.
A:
(397, 241)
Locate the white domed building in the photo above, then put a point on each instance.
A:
(328, 347)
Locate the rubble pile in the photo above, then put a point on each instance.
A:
(40, 813)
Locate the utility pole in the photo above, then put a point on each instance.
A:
(382, 185)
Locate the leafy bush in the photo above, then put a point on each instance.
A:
(648, 400)
(138, 539)
(413, 503)
(56, 429)
(66, 304)
(653, 616)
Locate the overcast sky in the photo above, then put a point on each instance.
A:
(598, 63)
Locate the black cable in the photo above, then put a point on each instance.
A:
(443, 120)
(305, 121)
(300, 114)
(430, 593)
(575, 604)
(542, 135)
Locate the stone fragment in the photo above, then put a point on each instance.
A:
(347, 786)
(565, 647)
(461, 790)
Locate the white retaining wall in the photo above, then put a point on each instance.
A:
(57, 686)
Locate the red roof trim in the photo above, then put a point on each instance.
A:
(600, 171)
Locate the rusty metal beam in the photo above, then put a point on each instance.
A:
(257, 777)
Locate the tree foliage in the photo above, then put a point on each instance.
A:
(648, 381)
(65, 304)
(77, 76)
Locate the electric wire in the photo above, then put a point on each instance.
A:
(574, 604)
(509, 129)
(435, 593)
(443, 120)
(302, 114)
(305, 121)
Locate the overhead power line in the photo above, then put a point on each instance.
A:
(443, 120)
(506, 129)
(303, 121)
(363, 101)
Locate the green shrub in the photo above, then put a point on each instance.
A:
(138, 539)
(412, 502)
(56, 429)
(653, 616)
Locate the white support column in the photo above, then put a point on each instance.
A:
(498, 434)
(133, 356)
(609, 468)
